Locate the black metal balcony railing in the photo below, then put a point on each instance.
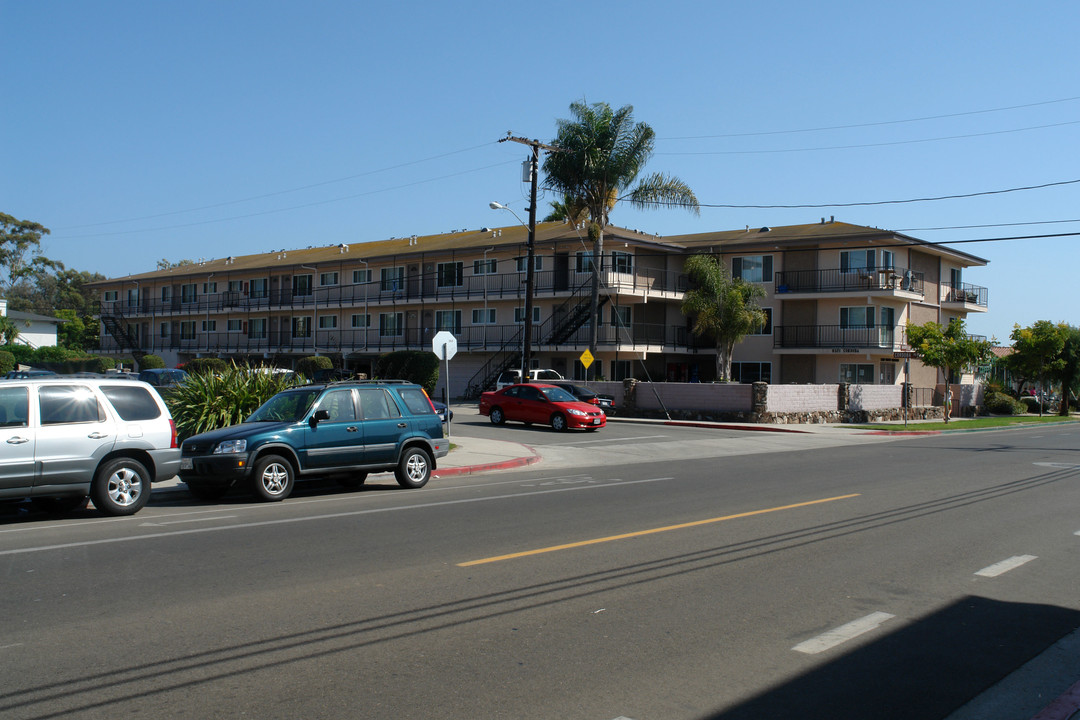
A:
(965, 293)
(860, 280)
(427, 287)
(837, 336)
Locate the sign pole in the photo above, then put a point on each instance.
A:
(446, 390)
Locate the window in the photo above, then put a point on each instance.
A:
(851, 317)
(257, 328)
(523, 263)
(620, 316)
(328, 322)
(234, 325)
(584, 262)
(131, 403)
(360, 277)
(620, 369)
(189, 293)
(163, 330)
(392, 279)
(887, 259)
(855, 260)
(301, 285)
(339, 406)
(235, 286)
(301, 326)
(857, 373)
(110, 296)
(483, 316)
(361, 320)
(209, 287)
(519, 314)
(416, 401)
(260, 288)
(61, 404)
(376, 404)
(328, 278)
(209, 325)
(390, 325)
(622, 262)
(766, 328)
(187, 330)
(166, 295)
(448, 274)
(484, 267)
(133, 297)
(448, 320)
(753, 268)
(750, 372)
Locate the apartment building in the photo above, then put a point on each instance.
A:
(838, 298)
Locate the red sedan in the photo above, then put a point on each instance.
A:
(542, 404)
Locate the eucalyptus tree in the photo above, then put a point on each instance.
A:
(722, 307)
(598, 157)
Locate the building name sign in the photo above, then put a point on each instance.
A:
(845, 350)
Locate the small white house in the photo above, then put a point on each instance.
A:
(34, 330)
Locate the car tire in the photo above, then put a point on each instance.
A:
(207, 491)
(496, 416)
(353, 481)
(414, 469)
(558, 423)
(273, 478)
(121, 487)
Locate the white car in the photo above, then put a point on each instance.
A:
(513, 377)
(64, 439)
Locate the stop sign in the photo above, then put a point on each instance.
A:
(444, 345)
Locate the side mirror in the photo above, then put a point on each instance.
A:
(319, 416)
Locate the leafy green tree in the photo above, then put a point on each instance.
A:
(164, 264)
(948, 349)
(722, 307)
(601, 153)
(566, 210)
(20, 252)
(1069, 375)
(9, 331)
(1036, 351)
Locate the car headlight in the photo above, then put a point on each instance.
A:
(231, 446)
(574, 411)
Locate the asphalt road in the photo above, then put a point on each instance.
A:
(824, 578)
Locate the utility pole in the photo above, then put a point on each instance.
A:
(530, 270)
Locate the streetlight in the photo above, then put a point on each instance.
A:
(526, 332)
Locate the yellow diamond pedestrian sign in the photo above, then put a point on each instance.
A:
(586, 358)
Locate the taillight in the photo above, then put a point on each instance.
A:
(594, 401)
(429, 401)
(172, 426)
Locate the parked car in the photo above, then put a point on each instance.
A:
(540, 403)
(68, 438)
(513, 377)
(343, 429)
(585, 395)
(29, 374)
(163, 378)
(441, 410)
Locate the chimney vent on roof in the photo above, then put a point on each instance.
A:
(832, 218)
(765, 229)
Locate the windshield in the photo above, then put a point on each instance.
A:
(555, 394)
(287, 406)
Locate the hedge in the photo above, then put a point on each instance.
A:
(418, 366)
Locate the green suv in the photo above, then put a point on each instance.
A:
(342, 429)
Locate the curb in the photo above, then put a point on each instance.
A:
(485, 467)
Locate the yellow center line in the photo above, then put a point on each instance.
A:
(624, 536)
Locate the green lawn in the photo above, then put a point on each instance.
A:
(973, 424)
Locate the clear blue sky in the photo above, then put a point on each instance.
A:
(139, 130)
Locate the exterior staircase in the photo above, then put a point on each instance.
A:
(113, 320)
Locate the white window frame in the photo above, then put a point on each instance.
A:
(857, 261)
(766, 329)
(189, 293)
(867, 311)
(257, 328)
(761, 367)
(624, 314)
(300, 327)
(485, 267)
(303, 285)
(209, 326)
(110, 295)
(187, 330)
(164, 329)
(360, 320)
(392, 279)
(449, 320)
(453, 278)
(209, 287)
(622, 262)
(854, 370)
(760, 268)
(166, 295)
(483, 316)
(362, 276)
(519, 314)
(234, 326)
(259, 287)
(583, 261)
(328, 322)
(522, 263)
(394, 328)
(328, 279)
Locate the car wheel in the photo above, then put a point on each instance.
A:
(273, 478)
(414, 470)
(121, 487)
(558, 422)
(496, 416)
(207, 491)
(60, 505)
(352, 482)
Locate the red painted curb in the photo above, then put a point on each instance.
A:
(902, 432)
(1064, 707)
(722, 426)
(503, 465)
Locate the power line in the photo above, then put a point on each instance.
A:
(989, 225)
(873, 124)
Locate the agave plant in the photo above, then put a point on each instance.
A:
(210, 401)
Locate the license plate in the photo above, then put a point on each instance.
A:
(185, 463)
(596, 421)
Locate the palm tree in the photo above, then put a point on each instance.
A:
(566, 210)
(600, 154)
(722, 306)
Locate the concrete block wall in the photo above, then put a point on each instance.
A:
(875, 397)
(801, 398)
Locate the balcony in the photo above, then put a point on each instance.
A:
(837, 338)
(964, 296)
(886, 281)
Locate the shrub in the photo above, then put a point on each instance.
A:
(308, 366)
(206, 366)
(7, 362)
(23, 354)
(210, 400)
(100, 363)
(150, 362)
(999, 403)
(418, 366)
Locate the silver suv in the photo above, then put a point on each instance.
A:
(64, 439)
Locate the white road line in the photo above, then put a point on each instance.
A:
(1005, 565)
(181, 522)
(842, 634)
(609, 441)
